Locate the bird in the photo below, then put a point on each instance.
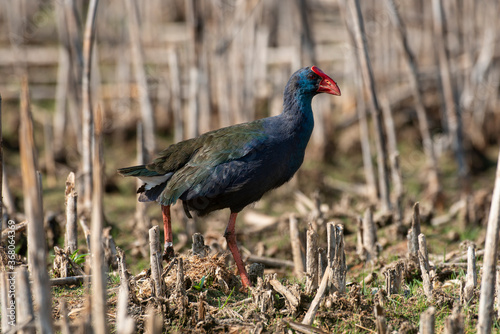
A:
(234, 166)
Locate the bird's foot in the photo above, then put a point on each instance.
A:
(168, 252)
(245, 282)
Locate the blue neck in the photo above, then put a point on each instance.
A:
(298, 113)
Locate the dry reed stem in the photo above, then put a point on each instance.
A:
(71, 199)
(312, 260)
(371, 180)
(427, 320)
(87, 113)
(124, 323)
(271, 262)
(414, 232)
(86, 232)
(1, 167)
(99, 289)
(369, 236)
(4, 302)
(24, 303)
(296, 248)
(380, 322)
(490, 259)
(63, 310)
(156, 261)
(34, 214)
(336, 259)
(453, 116)
(311, 312)
(143, 224)
(154, 321)
(471, 277)
(291, 298)
(198, 247)
(423, 258)
(409, 57)
(370, 86)
(397, 178)
(454, 324)
(147, 114)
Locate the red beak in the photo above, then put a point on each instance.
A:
(327, 85)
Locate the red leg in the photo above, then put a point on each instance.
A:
(231, 242)
(168, 251)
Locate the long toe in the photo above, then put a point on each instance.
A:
(168, 253)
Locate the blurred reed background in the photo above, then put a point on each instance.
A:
(89, 86)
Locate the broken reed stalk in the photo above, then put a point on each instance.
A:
(99, 292)
(68, 28)
(312, 260)
(141, 217)
(86, 232)
(62, 85)
(198, 247)
(72, 280)
(8, 316)
(471, 277)
(296, 248)
(156, 259)
(454, 324)
(34, 213)
(453, 116)
(202, 312)
(147, 115)
(434, 185)
(380, 322)
(292, 300)
(24, 302)
(153, 321)
(71, 199)
(490, 259)
(396, 175)
(270, 262)
(336, 259)
(176, 95)
(124, 323)
(394, 278)
(374, 105)
(1, 168)
(427, 321)
(8, 198)
(360, 247)
(311, 312)
(369, 236)
(87, 113)
(322, 262)
(498, 294)
(414, 232)
(255, 270)
(63, 310)
(180, 290)
(423, 257)
(371, 180)
(49, 154)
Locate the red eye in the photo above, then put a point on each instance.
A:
(311, 76)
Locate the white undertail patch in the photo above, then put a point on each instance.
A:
(152, 181)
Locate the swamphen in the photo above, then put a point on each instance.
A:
(234, 166)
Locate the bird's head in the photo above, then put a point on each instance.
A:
(311, 81)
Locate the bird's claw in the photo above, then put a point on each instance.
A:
(168, 253)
